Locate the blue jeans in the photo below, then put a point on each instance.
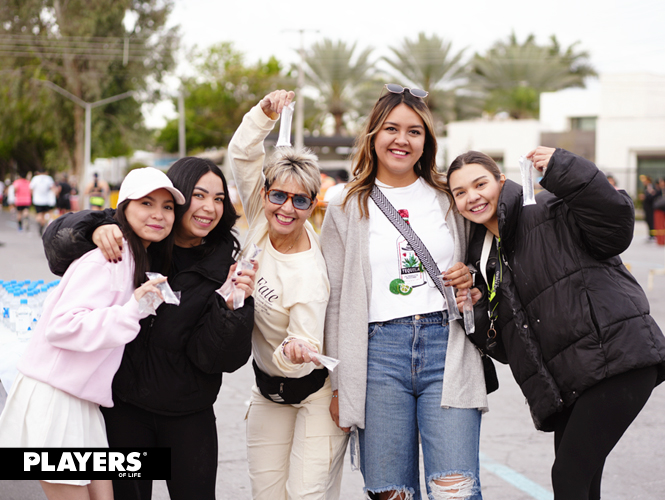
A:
(405, 368)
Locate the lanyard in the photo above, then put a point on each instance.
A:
(496, 279)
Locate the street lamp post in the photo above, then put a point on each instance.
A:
(300, 106)
(88, 106)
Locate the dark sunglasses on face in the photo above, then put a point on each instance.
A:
(398, 89)
(300, 201)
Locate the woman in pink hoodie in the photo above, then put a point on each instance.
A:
(67, 369)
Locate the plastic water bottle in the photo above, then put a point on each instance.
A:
(4, 307)
(23, 320)
(14, 302)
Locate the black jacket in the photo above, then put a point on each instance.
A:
(570, 313)
(175, 364)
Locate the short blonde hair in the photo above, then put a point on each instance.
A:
(301, 166)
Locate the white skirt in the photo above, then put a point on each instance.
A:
(38, 415)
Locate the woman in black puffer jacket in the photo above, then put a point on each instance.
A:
(572, 322)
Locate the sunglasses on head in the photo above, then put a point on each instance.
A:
(398, 89)
(300, 201)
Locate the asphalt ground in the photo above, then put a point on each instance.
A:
(515, 458)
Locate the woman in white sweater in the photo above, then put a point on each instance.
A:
(388, 323)
(294, 449)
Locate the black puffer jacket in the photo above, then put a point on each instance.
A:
(570, 313)
(175, 364)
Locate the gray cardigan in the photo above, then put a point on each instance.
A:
(345, 245)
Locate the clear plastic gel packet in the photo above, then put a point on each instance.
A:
(284, 138)
(526, 168)
(469, 322)
(229, 287)
(354, 449)
(327, 361)
(151, 301)
(451, 303)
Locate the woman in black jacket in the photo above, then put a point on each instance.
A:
(171, 373)
(571, 321)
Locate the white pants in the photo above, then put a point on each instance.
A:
(294, 451)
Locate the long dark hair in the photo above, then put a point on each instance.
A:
(184, 174)
(141, 257)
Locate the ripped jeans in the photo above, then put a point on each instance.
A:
(405, 367)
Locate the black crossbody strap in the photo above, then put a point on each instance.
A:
(407, 231)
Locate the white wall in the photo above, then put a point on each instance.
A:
(556, 108)
(631, 122)
(632, 95)
(508, 138)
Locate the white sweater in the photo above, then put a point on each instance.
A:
(291, 291)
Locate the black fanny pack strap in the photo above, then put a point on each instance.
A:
(407, 231)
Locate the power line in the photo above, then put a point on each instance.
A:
(93, 48)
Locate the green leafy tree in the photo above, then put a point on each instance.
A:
(29, 133)
(342, 77)
(430, 63)
(85, 48)
(514, 74)
(224, 89)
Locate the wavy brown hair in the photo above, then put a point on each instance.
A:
(365, 163)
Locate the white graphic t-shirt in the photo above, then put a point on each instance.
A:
(400, 284)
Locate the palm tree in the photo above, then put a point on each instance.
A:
(430, 63)
(340, 78)
(514, 75)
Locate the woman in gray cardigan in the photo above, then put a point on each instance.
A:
(387, 321)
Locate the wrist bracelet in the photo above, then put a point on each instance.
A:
(334, 395)
(286, 341)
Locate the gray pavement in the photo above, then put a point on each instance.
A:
(516, 459)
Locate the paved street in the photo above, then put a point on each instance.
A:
(516, 459)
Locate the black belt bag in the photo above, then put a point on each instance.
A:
(289, 391)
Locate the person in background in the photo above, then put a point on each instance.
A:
(612, 181)
(572, 321)
(66, 371)
(22, 201)
(407, 373)
(294, 450)
(43, 188)
(171, 374)
(63, 192)
(648, 196)
(97, 192)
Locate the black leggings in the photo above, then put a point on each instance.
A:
(193, 442)
(586, 432)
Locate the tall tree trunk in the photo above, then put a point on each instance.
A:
(339, 123)
(72, 75)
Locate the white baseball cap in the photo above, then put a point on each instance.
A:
(143, 181)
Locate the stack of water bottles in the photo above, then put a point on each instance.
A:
(21, 304)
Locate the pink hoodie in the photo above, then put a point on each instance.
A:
(79, 340)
